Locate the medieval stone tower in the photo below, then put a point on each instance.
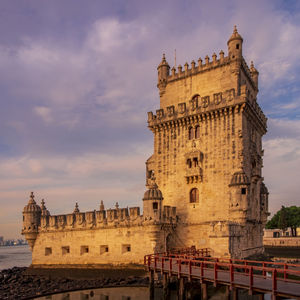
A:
(204, 181)
(208, 152)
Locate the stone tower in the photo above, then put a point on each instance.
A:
(152, 202)
(208, 151)
(31, 220)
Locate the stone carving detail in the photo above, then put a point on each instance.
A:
(171, 110)
(217, 98)
(61, 220)
(70, 220)
(182, 108)
(90, 219)
(52, 221)
(80, 219)
(205, 101)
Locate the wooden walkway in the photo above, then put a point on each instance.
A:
(278, 279)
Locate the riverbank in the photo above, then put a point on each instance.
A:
(27, 283)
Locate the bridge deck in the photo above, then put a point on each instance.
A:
(282, 281)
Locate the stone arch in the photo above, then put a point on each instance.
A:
(191, 133)
(194, 195)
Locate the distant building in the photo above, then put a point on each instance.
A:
(204, 181)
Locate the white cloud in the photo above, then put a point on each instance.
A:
(44, 112)
(281, 161)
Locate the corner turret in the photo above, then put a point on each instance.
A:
(152, 201)
(235, 44)
(31, 220)
(239, 187)
(254, 74)
(163, 73)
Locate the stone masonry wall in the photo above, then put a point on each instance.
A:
(97, 246)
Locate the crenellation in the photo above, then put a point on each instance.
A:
(53, 222)
(206, 60)
(214, 58)
(90, 219)
(61, 221)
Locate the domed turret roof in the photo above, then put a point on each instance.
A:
(239, 178)
(163, 62)
(31, 206)
(235, 36)
(153, 192)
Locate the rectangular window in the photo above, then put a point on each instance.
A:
(104, 249)
(65, 250)
(126, 248)
(48, 251)
(84, 249)
(243, 191)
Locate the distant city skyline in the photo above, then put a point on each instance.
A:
(77, 79)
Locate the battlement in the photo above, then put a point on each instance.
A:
(202, 66)
(207, 65)
(113, 217)
(221, 102)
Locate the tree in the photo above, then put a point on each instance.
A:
(284, 218)
(282, 221)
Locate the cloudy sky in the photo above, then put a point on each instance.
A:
(77, 78)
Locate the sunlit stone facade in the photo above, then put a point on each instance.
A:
(204, 179)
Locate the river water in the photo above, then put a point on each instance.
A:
(14, 256)
(20, 256)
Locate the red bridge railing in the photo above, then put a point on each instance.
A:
(278, 278)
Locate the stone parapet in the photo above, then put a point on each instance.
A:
(103, 219)
(282, 241)
(206, 107)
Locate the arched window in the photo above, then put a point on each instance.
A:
(191, 133)
(195, 101)
(194, 195)
(195, 161)
(189, 163)
(197, 132)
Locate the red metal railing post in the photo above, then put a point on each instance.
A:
(149, 262)
(201, 271)
(162, 265)
(231, 275)
(190, 270)
(274, 281)
(285, 275)
(170, 267)
(216, 272)
(155, 259)
(251, 278)
(179, 267)
(264, 271)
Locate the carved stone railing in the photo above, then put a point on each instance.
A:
(205, 105)
(100, 219)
